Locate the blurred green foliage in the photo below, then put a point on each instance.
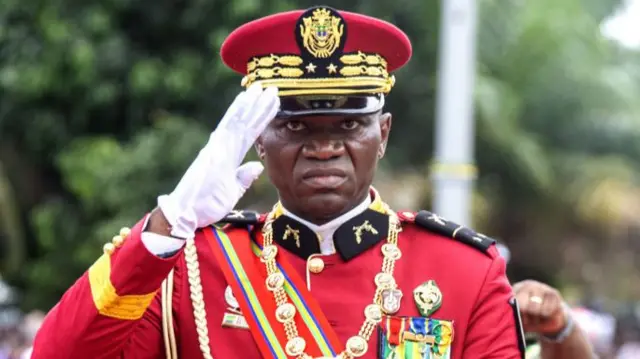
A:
(103, 105)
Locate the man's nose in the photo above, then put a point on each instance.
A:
(323, 149)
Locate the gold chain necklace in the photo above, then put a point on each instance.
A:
(386, 298)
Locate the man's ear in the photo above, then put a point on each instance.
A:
(259, 148)
(385, 129)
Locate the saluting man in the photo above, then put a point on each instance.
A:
(331, 271)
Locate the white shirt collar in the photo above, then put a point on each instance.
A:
(325, 231)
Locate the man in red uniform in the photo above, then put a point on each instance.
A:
(331, 271)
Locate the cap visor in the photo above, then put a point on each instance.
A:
(328, 105)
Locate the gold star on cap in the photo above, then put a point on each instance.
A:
(332, 68)
(311, 67)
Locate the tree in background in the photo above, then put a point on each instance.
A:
(559, 127)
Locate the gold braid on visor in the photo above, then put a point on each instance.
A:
(353, 73)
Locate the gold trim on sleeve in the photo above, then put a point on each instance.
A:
(105, 298)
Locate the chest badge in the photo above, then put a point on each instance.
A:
(391, 300)
(428, 298)
(231, 300)
(233, 317)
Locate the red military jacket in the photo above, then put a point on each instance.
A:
(135, 305)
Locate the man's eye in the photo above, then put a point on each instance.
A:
(295, 126)
(349, 124)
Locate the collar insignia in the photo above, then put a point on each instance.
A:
(295, 237)
(361, 233)
(350, 239)
(295, 233)
(365, 226)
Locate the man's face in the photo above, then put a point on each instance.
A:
(322, 166)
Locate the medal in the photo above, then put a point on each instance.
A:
(391, 300)
(235, 318)
(428, 298)
(232, 320)
(231, 300)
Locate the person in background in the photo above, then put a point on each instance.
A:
(546, 315)
(548, 319)
(626, 341)
(599, 327)
(12, 343)
(29, 328)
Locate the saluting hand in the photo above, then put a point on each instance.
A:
(542, 308)
(217, 179)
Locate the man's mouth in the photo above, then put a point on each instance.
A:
(324, 178)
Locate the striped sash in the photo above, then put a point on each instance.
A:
(238, 256)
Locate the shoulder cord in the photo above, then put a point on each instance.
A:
(167, 318)
(197, 300)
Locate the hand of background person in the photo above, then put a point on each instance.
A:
(542, 308)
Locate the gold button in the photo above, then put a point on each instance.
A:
(124, 232)
(108, 248)
(315, 265)
(117, 241)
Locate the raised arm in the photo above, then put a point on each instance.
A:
(112, 310)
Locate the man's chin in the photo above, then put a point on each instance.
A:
(325, 206)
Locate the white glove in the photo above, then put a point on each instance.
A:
(216, 180)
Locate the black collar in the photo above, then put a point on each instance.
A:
(350, 239)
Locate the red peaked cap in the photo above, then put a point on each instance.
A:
(281, 35)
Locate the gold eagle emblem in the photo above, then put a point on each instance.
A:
(321, 33)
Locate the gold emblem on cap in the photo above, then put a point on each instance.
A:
(321, 33)
(364, 227)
